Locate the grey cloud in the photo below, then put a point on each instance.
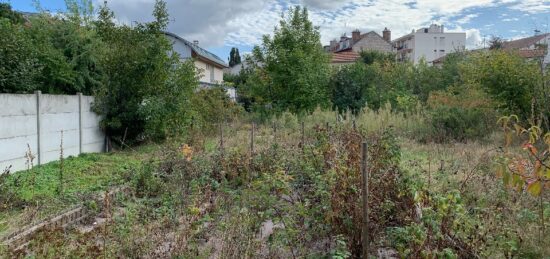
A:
(323, 4)
(203, 20)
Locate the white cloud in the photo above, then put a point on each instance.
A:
(243, 22)
(473, 39)
(531, 6)
(466, 19)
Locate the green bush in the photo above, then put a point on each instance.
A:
(212, 106)
(146, 183)
(457, 123)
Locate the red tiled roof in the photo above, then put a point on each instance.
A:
(523, 43)
(344, 57)
(531, 53)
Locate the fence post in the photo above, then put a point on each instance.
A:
(38, 111)
(354, 126)
(365, 178)
(80, 122)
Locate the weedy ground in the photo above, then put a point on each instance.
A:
(287, 199)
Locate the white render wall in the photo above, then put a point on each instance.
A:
(20, 127)
(430, 45)
(204, 74)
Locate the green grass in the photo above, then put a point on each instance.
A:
(83, 176)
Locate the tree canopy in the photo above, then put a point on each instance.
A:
(295, 71)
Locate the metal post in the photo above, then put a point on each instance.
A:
(38, 111)
(365, 178)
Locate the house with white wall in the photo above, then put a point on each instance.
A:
(209, 65)
(429, 43)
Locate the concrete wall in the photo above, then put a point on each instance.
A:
(37, 120)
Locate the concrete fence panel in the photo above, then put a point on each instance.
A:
(37, 120)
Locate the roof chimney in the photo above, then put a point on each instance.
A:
(355, 35)
(333, 45)
(196, 42)
(386, 34)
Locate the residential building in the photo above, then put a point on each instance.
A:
(429, 44)
(535, 47)
(210, 65)
(347, 48)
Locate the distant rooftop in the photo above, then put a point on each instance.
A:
(200, 51)
(524, 42)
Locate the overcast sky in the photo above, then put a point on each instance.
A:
(222, 24)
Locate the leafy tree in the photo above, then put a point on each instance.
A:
(370, 56)
(349, 86)
(147, 90)
(237, 57)
(495, 43)
(19, 66)
(295, 71)
(509, 79)
(7, 13)
(234, 57)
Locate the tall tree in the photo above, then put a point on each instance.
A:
(237, 57)
(295, 70)
(147, 88)
(234, 57)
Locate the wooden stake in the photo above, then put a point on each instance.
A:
(365, 176)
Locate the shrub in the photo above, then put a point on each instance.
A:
(146, 183)
(349, 86)
(457, 123)
(460, 114)
(212, 106)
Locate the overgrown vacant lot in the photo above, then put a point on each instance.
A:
(285, 198)
(33, 195)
